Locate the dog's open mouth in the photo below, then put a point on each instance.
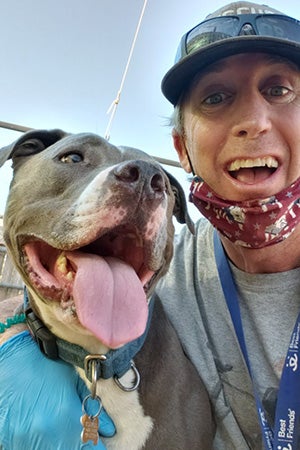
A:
(103, 284)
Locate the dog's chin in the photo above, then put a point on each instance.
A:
(64, 323)
(102, 290)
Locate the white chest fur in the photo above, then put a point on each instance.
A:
(124, 408)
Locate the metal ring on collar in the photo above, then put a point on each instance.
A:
(93, 360)
(136, 381)
(84, 406)
(94, 379)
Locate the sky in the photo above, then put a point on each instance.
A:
(63, 62)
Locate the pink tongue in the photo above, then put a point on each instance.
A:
(109, 298)
(253, 175)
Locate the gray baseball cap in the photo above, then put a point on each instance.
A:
(238, 27)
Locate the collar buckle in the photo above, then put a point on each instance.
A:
(44, 338)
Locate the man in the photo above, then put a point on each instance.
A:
(232, 294)
(236, 98)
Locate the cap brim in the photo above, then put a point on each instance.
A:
(181, 74)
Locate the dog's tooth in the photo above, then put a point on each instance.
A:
(70, 276)
(62, 263)
(138, 239)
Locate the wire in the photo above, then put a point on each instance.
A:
(113, 107)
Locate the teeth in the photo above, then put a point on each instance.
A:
(61, 263)
(138, 239)
(70, 276)
(268, 161)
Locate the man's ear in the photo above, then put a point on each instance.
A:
(179, 145)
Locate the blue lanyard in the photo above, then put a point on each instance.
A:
(287, 418)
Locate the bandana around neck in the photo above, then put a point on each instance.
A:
(254, 223)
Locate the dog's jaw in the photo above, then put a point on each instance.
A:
(104, 284)
(103, 294)
(65, 325)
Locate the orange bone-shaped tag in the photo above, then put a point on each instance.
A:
(90, 429)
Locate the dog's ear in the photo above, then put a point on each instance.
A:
(180, 208)
(29, 143)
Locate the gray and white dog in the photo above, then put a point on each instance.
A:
(89, 228)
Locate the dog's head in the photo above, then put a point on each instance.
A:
(89, 227)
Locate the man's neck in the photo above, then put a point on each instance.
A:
(274, 258)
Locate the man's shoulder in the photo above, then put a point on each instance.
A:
(202, 228)
(193, 253)
(201, 240)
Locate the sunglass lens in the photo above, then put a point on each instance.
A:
(211, 31)
(281, 27)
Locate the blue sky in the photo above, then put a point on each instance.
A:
(63, 61)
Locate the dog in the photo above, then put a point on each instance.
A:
(89, 227)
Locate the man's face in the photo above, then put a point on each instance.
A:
(241, 121)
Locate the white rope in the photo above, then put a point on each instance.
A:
(113, 107)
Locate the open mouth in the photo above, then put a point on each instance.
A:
(252, 171)
(104, 284)
(51, 267)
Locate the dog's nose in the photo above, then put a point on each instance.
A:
(134, 172)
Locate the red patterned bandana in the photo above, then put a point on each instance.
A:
(254, 223)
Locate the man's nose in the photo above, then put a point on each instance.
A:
(251, 117)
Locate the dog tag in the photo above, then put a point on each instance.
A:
(89, 422)
(90, 429)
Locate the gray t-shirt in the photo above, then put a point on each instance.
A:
(193, 299)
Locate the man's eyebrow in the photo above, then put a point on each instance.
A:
(276, 59)
(217, 66)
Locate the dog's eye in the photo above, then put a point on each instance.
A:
(71, 158)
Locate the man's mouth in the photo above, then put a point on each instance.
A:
(252, 170)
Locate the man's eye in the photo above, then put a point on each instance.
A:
(277, 91)
(280, 94)
(215, 99)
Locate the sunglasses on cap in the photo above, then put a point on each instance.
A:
(225, 27)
